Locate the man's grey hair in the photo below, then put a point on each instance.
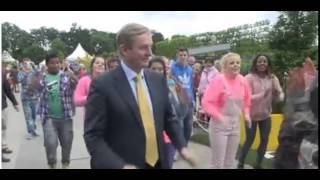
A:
(128, 32)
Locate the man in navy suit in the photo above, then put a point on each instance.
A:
(128, 109)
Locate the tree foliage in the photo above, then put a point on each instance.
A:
(293, 38)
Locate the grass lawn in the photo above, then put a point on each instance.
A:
(202, 138)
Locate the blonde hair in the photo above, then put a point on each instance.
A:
(128, 32)
(226, 57)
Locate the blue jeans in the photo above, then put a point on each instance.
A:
(30, 112)
(187, 123)
(264, 127)
(55, 131)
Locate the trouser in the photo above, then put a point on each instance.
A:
(30, 112)
(4, 123)
(187, 124)
(264, 128)
(171, 151)
(58, 130)
(224, 141)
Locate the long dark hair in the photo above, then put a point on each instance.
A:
(94, 60)
(254, 69)
(158, 59)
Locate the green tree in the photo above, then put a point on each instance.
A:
(15, 40)
(156, 37)
(169, 48)
(101, 42)
(43, 36)
(58, 46)
(74, 36)
(293, 37)
(34, 52)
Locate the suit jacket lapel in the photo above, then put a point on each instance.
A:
(123, 87)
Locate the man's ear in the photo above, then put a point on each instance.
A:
(123, 49)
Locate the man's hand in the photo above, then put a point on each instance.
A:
(186, 155)
(248, 120)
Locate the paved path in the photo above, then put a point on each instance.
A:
(30, 154)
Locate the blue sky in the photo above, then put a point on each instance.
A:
(166, 22)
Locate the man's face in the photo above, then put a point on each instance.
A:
(182, 57)
(191, 60)
(53, 65)
(27, 65)
(139, 54)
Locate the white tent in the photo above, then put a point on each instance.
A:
(6, 57)
(77, 54)
(43, 63)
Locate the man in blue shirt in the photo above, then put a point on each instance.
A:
(182, 73)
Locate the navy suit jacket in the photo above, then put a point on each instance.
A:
(114, 133)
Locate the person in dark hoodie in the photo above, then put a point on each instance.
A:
(6, 92)
(299, 130)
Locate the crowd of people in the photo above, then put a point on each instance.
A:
(139, 108)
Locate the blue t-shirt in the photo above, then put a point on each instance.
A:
(183, 75)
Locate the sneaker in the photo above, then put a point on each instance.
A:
(34, 134)
(52, 166)
(257, 167)
(240, 166)
(29, 136)
(6, 150)
(66, 166)
(4, 159)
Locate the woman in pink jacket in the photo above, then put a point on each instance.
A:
(226, 97)
(265, 88)
(97, 67)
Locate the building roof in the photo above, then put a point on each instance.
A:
(207, 49)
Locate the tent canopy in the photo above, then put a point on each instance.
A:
(77, 54)
(43, 63)
(6, 57)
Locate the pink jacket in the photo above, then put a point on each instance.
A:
(206, 76)
(215, 94)
(82, 91)
(263, 90)
(166, 138)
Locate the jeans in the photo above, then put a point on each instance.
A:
(30, 110)
(4, 122)
(58, 130)
(264, 127)
(187, 123)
